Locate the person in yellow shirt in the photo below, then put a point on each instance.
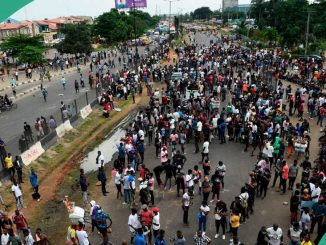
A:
(10, 165)
(235, 223)
(306, 240)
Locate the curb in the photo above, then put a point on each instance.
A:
(25, 92)
(37, 80)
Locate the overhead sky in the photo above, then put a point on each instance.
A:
(40, 9)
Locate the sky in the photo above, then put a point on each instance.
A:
(41, 9)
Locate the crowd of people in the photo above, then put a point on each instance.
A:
(190, 110)
(221, 97)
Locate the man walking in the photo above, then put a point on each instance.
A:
(17, 194)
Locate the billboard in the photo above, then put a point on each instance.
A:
(123, 4)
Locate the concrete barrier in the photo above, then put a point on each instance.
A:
(67, 125)
(32, 153)
(60, 130)
(63, 128)
(84, 112)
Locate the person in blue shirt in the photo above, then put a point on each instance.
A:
(101, 225)
(34, 181)
(122, 154)
(160, 238)
(140, 238)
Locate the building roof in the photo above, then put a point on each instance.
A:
(11, 26)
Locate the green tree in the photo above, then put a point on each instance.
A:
(202, 13)
(77, 39)
(25, 48)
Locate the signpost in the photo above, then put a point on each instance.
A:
(125, 4)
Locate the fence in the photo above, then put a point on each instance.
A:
(20, 144)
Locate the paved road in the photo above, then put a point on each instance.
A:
(238, 163)
(32, 105)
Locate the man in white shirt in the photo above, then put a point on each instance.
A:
(185, 207)
(205, 150)
(100, 159)
(315, 193)
(82, 235)
(17, 194)
(4, 237)
(275, 235)
(156, 222)
(133, 224)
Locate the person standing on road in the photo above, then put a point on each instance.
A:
(83, 186)
(17, 194)
(284, 176)
(275, 235)
(133, 224)
(100, 159)
(28, 132)
(63, 83)
(205, 150)
(220, 218)
(126, 188)
(146, 218)
(185, 207)
(200, 238)
(76, 86)
(102, 178)
(34, 182)
(10, 165)
(44, 93)
(202, 215)
(293, 172)
(21, 224)
(156, 222)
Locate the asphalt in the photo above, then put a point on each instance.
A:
(31, 105)
(238, 163)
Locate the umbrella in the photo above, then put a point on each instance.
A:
(9, 7)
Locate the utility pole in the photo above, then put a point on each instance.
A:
(170, 2)
(307, 34)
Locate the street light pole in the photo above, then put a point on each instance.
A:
(170, 1)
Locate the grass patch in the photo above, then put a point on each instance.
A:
(59, 148)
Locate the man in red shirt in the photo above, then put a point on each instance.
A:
(146, 217)
(284, 176)
(321, 115)
(21, 224)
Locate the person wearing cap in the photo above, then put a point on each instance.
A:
(156, 222)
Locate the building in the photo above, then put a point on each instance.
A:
(244, 8)
(26, 27)
(229, 4)
(49, 28)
